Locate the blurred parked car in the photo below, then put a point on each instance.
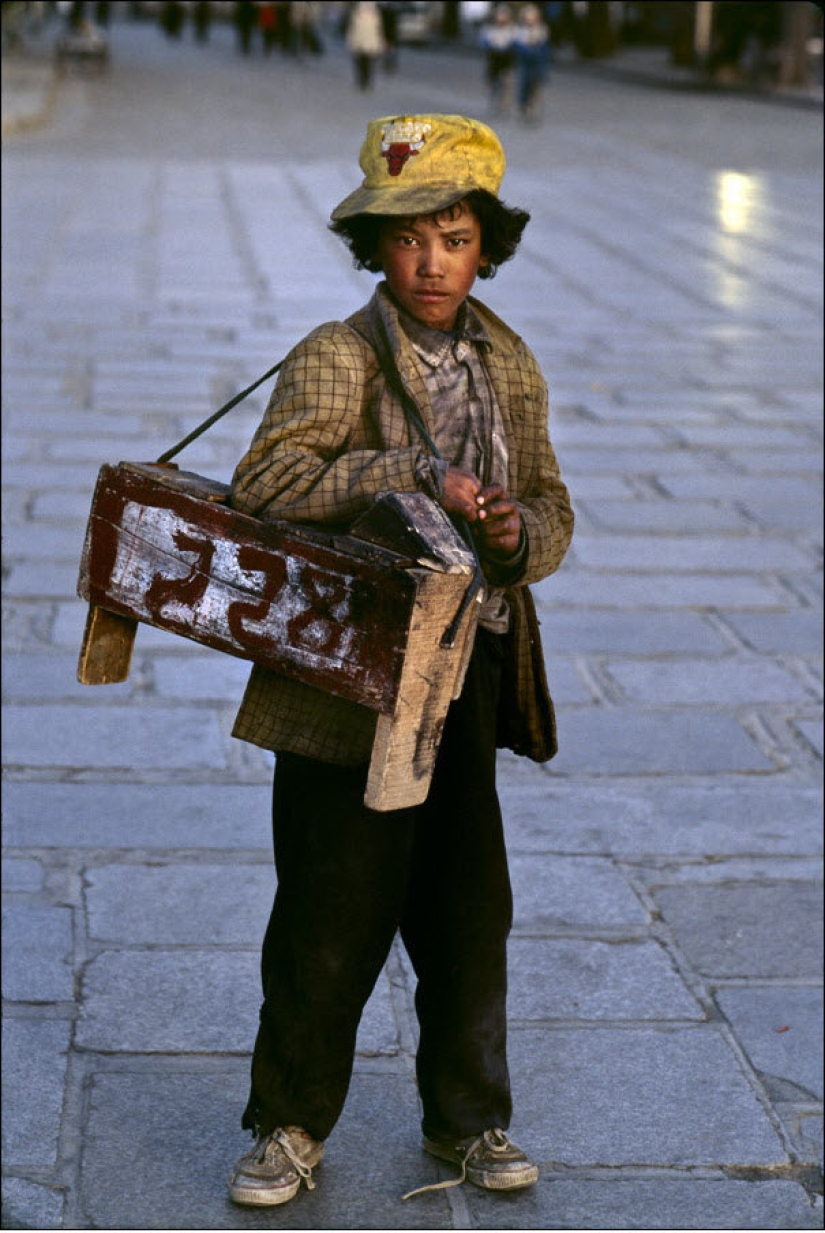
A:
(415, 22)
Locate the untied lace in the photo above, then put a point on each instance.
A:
(495, 1139)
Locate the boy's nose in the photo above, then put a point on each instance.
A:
(430, 262)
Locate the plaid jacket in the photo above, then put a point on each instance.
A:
(333, 436)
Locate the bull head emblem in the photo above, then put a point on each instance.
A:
(400, 141)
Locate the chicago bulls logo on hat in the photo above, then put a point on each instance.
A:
(400, 140)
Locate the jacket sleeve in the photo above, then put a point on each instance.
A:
(542, 496)
(313, 458)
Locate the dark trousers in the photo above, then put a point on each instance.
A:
(348, 879)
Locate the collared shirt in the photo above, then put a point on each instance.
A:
(469, 430)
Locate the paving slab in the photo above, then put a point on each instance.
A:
(663, 463)
(570, 686)
(634, 742)
(26, 624)
(27, 1205)
(781, 1032)
(72, 422)
(15, 507)
(563, 978)
(46, 579)
(642, 1096)
(113, 736)
(796, 633)
(372, 1158)
(599, 487)
(683, 681)
(166, 816)
(164, 1001)
(629, 633)
(658, 517)
(802, 493)
(53, 676)
(748, 928)
(740, 436)
(51, 475)
(779, 515)
(37, 952)
(44, 542)
(659, 590)
(198, 675)
(34, 1072)
(664, 1202)
(177, 904)
(690, 552)
(812, 731)
(571, 891)
(807, 1133)
(664, 871)
(546, 813)
(22, 875)
(781, 460)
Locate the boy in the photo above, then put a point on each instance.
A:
(334, 436)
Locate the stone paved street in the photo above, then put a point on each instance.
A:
(164, 243)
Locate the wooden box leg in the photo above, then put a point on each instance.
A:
(107, 647)
(406, 742)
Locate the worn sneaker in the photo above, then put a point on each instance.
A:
(489, 1160)
(273, 1170)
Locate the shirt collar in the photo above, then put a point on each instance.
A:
(435, 346)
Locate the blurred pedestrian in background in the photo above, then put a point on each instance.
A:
(305, 16)
(532, 44)
(283, 25)
(498, 40)
(268, 23)
(172, 17)
(75, 13)
(246, 19)
(389, 21)
(365, 40)
(202, 20)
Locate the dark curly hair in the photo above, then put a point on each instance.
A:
(501, 228)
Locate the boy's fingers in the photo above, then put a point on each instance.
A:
(491, 493)
(495, 510)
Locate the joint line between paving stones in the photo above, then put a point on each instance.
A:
(241, 239)
(72, 1134)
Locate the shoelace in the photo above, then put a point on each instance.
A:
(495, 1139)
(278, 1141)
(294, 1159)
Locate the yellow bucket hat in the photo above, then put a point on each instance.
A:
(420, 164)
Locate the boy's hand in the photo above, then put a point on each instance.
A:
(494, 516)
(498, 525)
(461, 492)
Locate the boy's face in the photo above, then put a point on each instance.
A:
(431, 262)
